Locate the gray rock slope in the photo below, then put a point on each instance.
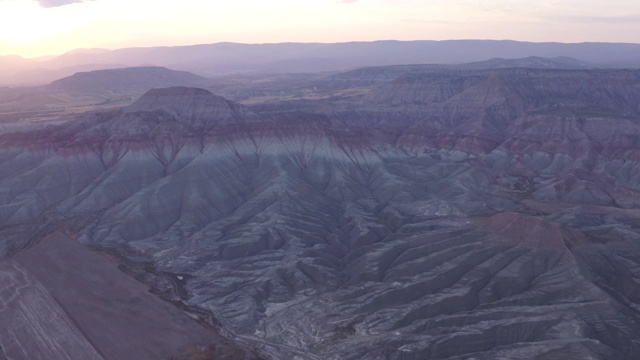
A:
(486, 215)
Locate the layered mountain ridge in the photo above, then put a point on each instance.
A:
(450, 215)
(233, 58)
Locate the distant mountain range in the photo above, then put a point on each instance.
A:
(127, 84)
(143, 78)
(232, 58)
(379, 74)
(121, 85)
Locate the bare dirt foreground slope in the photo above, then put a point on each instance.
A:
(63, 301)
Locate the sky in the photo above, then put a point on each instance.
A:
(33, 28)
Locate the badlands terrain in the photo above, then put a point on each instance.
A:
(480, 211)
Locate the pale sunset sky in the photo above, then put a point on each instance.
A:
(50, 27)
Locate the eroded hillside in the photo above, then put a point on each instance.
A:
(450, 215)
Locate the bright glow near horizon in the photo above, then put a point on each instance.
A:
(50, 27)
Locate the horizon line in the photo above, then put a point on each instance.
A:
(310, 43)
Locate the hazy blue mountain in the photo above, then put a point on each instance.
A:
(230, 58)
(226, 57)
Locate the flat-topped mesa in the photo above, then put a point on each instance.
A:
(214, 117)
(133, 80)
(175, 112)
(198, 108)
(172, 96)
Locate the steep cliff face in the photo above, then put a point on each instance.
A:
(483, 214)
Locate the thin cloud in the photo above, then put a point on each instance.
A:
(624, 19)
(347, 1)
(56, 3)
